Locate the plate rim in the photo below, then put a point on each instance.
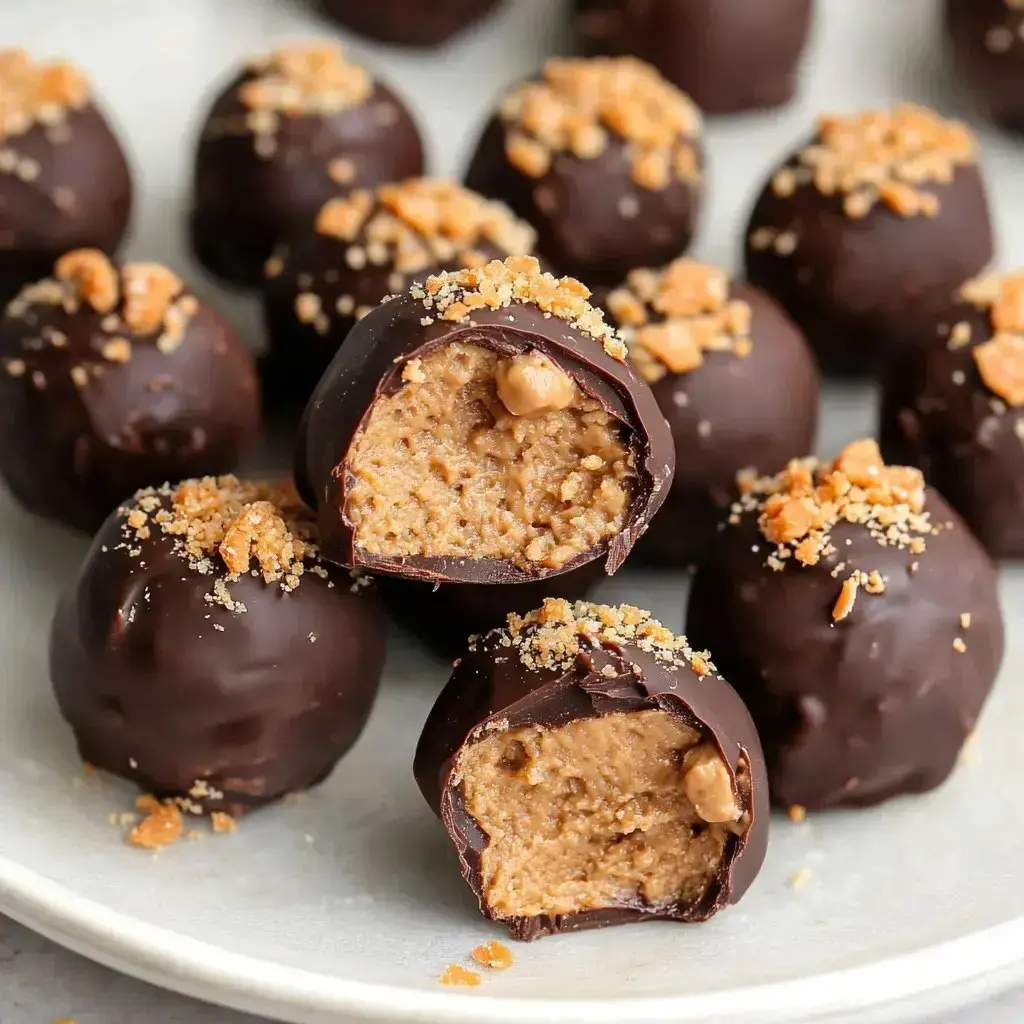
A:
(202, 970)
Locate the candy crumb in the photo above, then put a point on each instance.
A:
(799, 878)
(453, 974)
(494, 955)
(796, 813)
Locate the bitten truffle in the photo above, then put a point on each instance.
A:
(206, 652)
(64, 180)
(484, 428)
(603, 157)
(297, 127)
(112, 377)
(868, 222)
(363, 247)
(735, 380)
(591, 769)
(728, 55)
(408, 22)
(955, 408)
(986, 39)
(857, 617)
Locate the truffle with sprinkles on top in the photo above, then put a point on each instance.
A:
(111, 377)
(858, 618)
(408, 22)
(603, 157)
(297, 127)
(592, 768)
(864, 225)
(364, 246)
(484, 427)
(208, 654)
(954, 406)
(64, 180)
(735, 380)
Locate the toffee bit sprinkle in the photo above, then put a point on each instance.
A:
(577, 103)
(881, 157)
(669, 318)
(959, 646)
(494, 955)
(799, 878)
(305, 79)
(453, 974)
(965, 620)
(455, 295)
(420, 223)
(1000, 359)
(222, 823)
(796, 813)
(37, 94)
(161, 826)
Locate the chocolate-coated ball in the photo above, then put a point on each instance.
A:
(408, 22)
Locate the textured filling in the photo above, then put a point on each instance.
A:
(625, 809)
(477, 456)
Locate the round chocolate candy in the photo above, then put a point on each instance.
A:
(735, 380)
(363, 247)
(207, 654)
(728, 55)
(987, 42)
(858, 618)
(483, 428)
(603, 157)
(112, 377)
(954, 406)
(408, 22)
(866, 224)
(592, 769)
(64, 180)
(298, 126)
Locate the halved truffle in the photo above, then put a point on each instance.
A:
(591, 769)
(484, 428)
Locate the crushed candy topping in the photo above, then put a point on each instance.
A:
(37, 94)
(1000, 359)
(305, 79)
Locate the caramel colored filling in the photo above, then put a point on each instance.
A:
(482, 457)
(624, 809)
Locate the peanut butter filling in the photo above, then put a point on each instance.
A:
(482, 457)
(624, 809)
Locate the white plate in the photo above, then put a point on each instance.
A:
(348, 905)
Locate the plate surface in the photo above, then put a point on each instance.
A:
(347, 905)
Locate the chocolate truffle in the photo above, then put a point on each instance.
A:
(603, 158)
(296, 128)
(484, 428)
(207, 654)
(592, 769)
(365, 246)
(64, 180)
(728, 55)
(857, 617)
(112, 377)
(408, 22)
(863, 226)
(954, 406)
(987, 43)
(735, 380)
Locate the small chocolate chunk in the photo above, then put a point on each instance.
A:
(64, 179)
(733, 377)
(484, 428)
(408, 22)
(208, 654)
(295, 128)
(367, 245)
(112, 377)
(861, 228)
(604, 158)
(592, 769)
(954, 406)
(858, 618)
(728, 55)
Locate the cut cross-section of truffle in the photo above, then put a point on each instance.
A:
(295, 128)
(866, 224)
(484, 428)
(591, 769)
(363, 247)
(954, 406)
(728, 55)
(208, 654)
(733, 377)
(603, 157)
(858, 618)
(112, 377)
(64, 180)
(408, 22)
